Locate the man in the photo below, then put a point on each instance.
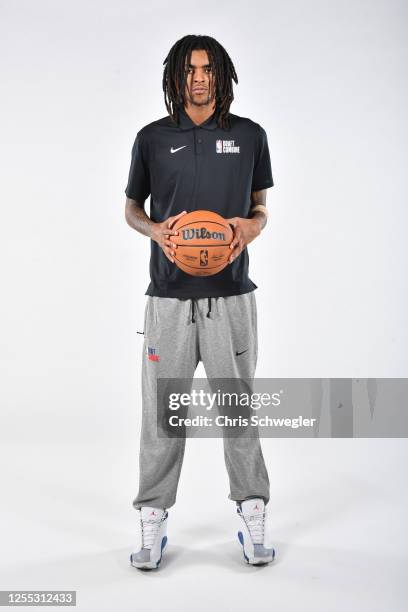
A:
(200, 156)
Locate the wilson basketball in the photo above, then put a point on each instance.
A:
(202, 243)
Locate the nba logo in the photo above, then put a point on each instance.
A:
(218, 146)
(152, 354)
(204, 258)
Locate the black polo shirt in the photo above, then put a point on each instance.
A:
(192, 167)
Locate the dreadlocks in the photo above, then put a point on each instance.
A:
(174, 75)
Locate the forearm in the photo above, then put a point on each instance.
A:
(258, 208)
(137, 218)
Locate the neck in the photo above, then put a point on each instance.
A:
(199, 114)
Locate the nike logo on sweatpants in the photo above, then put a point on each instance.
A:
(236, 352)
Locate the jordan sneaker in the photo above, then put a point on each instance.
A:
(153, 529)
(252, 532)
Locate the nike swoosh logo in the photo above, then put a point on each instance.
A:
(236, 352)
(172, 150)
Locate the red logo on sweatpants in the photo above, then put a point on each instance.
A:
(152, 354)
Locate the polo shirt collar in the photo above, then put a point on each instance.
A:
(185, 123)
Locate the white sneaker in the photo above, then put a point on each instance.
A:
(153, 529)
(252, 534)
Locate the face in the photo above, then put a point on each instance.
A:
(200, 80)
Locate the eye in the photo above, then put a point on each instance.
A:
(188, 70)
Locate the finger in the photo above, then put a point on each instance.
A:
(170, 245)
(172, 220)
(237, 247)
(169, 250)
(236, 239)
(168, 255)
(236, 252)
(169, 232)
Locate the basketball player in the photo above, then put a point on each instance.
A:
(199, 156)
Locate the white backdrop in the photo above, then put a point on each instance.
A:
(327, 80)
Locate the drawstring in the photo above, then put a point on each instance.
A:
(192, 309)
(209, 307)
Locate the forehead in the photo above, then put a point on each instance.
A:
(199, 58)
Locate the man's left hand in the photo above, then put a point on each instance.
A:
(245, 230)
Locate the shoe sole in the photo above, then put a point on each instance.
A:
(151, 564)
(254, 560)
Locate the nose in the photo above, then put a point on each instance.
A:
(199, 76)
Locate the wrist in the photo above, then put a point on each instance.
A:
(152, 232)
(257, 222)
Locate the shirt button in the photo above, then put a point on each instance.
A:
(199, 140)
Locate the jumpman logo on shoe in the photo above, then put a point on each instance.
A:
(153, 513)
(256, 507)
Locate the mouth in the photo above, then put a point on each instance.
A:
(199, 90)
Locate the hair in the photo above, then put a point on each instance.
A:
(174, 75)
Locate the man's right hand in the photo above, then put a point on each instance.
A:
(161, 233)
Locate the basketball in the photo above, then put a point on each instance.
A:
(202, 243)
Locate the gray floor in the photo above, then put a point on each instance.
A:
(338, 515)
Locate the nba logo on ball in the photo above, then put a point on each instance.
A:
(204, 258)
(218, 146)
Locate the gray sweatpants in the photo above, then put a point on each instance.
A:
(178, 333)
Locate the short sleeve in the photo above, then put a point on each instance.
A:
(262, 174)
(138, 186)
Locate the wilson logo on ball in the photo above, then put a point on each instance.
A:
(201, 233)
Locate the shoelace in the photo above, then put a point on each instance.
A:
(150, 529)
(256, 526)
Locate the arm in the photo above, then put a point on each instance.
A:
(137, 218)
(246, 230)
(258, 208)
